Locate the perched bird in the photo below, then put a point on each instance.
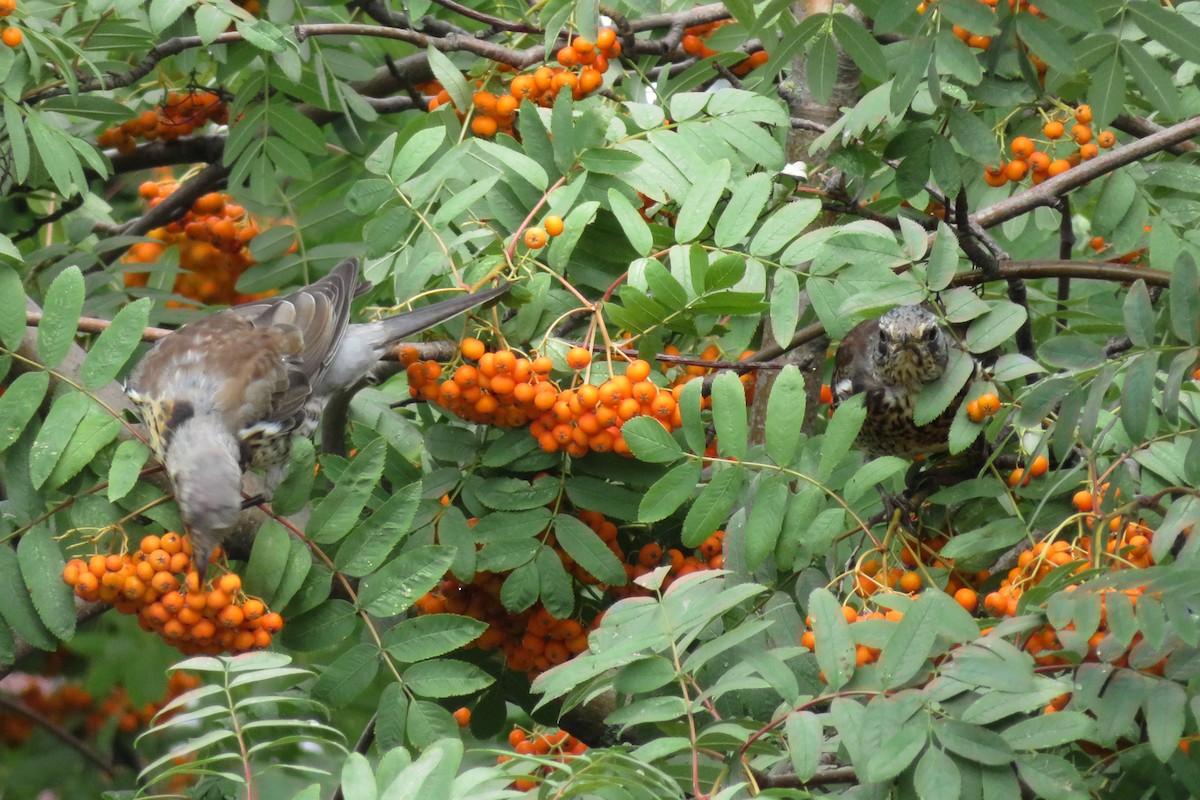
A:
(890, 360)
(228, 392)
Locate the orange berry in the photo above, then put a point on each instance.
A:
(516, 736)
(1106, 139)
(1022, 147)
(231, 617)
(910, 582)
(12, 36)
(579, 357)
(1053, 129)
(568, 56)
(1058, 167)
(1039, 161)
(1018, 477)
(506, 104)
(691, 45)
(606, 38)
(974, 412)
(485, 127)
(462, 716)
(535, 238)
(1082, 134)
(485, 102)
(989, 404)
(522, 86)
(230, 583)
(272, 623)
(967, 598)
(826, 394)
(553, 225)
(1083, 114)
(1089, 151)
(1083, 501)
(1038, 467)
(979, 41)
(650, 555)
(1016, 170)
(995, 176)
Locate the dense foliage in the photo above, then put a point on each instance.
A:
(607, 538)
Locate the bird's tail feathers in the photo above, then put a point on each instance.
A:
(408, 323)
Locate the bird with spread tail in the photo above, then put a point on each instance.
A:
(229, 392)
(890, 360)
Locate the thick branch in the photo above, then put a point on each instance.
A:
(1048, 192)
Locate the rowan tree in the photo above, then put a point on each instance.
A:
(608, 538)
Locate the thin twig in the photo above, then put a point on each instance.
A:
(58, 731)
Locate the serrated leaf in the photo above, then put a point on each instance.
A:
(18, 610)
(19, 403)
(60, 316)
(700, 201)
(268, 559)
(1139, 314)
(785, 306)
(785, 414)
(1050, 730)
(164, 12)
(712, 507)
(1169, 28)
(996, 327)
(783, 226)
(336, 513)
(729, 415)
(936, 397)
(1137, 394)
(128, 460)
(1185, 311)
(451, 77)
(348, 676)
(364, 550)
(446, 677)
(66, 414)
(835, 647)
(747, 202)
(415, 152)
(803, 731)
(431, 635)
(42, 563)
(324, 626)
(649, 441)
(943, 259)
(587, 549)
(843, 429)
(398, 585)
(937, 777)
(861, 46)
(669, 492)
(115, 344)
(909, 645)
(635, 228)
(765, 522)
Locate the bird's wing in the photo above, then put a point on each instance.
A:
(314, 320)
(853, 360)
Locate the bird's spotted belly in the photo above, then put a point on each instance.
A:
(889, 428)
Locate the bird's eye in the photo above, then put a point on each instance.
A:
(931, 333)
(882, 349)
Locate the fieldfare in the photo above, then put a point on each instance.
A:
(228, 392)
(890, 360)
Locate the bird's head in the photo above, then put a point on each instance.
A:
(911, 347)
(202, 461)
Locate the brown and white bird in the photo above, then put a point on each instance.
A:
(890, 360)
(228, 392)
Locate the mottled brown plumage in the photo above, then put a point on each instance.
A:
(890, 360)
(229, 392)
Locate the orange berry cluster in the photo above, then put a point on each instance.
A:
(536, 238)
(74, 708)
(870, 577)
(12, 35)
(178, 116)
(556, 744)
(1038, 165)
(709, 555)
(497, 113)
(982, 42)
(532, 641)
(982, 407)
(1021, 476)
(1128, 549)
(693, 43)
(863, 654)
(213, 619)
(213, 240)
